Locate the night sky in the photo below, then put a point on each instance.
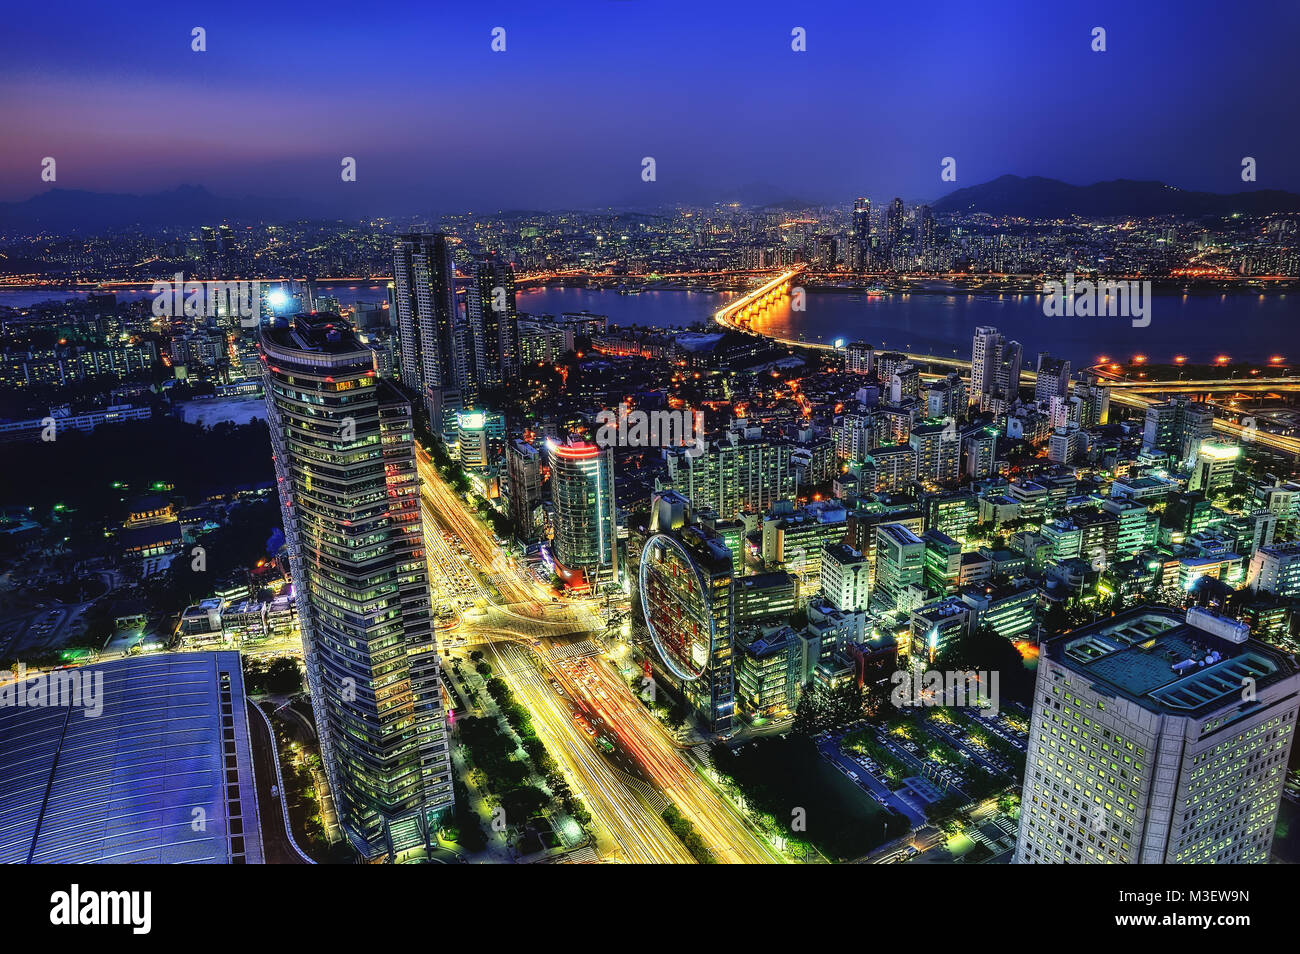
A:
(436, 120)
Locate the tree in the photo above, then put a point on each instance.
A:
(809, 712)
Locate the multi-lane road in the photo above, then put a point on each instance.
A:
(541, 648)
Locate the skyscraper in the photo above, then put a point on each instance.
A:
(894, 222)
(1157, 739)
(586, 525)
(343, 444)
(994, 367)
(430, 333)
(986, 350)
(925, 227)
(860, 248)
(1053, 377)
(491, 316)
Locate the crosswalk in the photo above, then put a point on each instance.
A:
(571, 652)
(703, 754)
(652, 797)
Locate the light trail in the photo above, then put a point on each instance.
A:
(625, 828)
(726, 833)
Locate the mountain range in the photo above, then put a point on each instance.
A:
(1035, 197)
(77, 211)
(72, 211)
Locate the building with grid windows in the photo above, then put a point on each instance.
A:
(344, 449)
(1157, 738)
(585, 547)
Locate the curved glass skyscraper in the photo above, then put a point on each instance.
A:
(345, 465)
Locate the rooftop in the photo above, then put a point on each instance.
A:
(127, 783)
(1155, 657)
(324, 334)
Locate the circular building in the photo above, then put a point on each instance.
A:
(677, 605)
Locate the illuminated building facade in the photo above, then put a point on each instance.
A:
(686, 596)
(1276, 569)
(343, 444)
(585, 547)
(900, 565)
(1214, 468)
(1157, 739)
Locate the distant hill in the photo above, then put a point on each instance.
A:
(1036, 197)
(79, 211)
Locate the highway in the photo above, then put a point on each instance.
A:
(531, 640)
(723, 829)
(624, 828)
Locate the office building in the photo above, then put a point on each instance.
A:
(766, 598)
(899, 567)
(768, 670)
(845, 577)
(794, 539)
(344, 450)
(1214, 468)
(1157, 738)
(585, 547)
(943, 562)
(685, 583)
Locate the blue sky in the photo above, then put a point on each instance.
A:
(438, 121)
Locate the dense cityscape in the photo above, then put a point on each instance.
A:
(522, 586)
(642, 436)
